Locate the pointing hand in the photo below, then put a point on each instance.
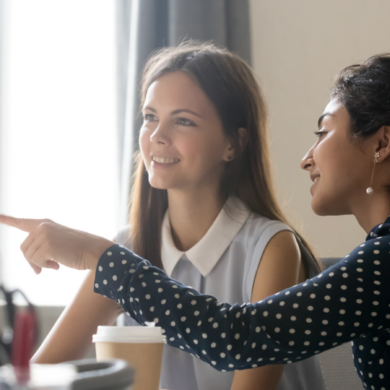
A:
(50, 244)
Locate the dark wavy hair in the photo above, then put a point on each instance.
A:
(364, 90)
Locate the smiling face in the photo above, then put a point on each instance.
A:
(182, 141)
(339, 166)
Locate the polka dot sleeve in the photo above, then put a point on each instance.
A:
(348, 301)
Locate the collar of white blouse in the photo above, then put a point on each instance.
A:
(205, 254)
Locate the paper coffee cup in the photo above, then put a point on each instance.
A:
(140, 346)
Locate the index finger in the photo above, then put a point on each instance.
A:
(27, 225)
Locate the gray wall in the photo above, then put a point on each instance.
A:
(298, 47)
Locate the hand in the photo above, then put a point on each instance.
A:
(50, 244)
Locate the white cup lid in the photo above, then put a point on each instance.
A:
(129, 334)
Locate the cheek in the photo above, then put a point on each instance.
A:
(328, 156)
(338, 165)
(192, 149)
(206, 145)
(200, 152)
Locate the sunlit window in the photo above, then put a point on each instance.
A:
(58, 149)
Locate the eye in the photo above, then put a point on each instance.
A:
(320, 134)
(150, 118)
(185, 122)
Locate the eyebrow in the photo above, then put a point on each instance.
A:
(322, 117)
(176, 111)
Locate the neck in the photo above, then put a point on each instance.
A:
(373, 210)
(192, 215)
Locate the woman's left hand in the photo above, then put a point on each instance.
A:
(50, 244)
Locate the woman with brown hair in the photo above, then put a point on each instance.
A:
(203, 209)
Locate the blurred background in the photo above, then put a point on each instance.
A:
(68, 101)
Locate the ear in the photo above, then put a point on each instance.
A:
(233, 150)
(383, 143)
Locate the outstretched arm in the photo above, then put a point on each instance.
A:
(346, 302)
(294, 324)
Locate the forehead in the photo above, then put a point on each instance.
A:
(177, 90)
(333, 106)
(335, 112)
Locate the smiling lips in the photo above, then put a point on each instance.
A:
(314, 177)
(165, 160)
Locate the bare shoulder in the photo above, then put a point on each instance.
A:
(279, 266)
(283, 241)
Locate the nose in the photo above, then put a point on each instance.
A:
(308, 162)
(160, 135)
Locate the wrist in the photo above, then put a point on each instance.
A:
(97, 249)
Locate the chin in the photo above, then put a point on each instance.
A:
(158, 186)
(327, 208)
(319, 211)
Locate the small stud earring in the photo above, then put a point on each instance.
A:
(370, 190)
(229, 158)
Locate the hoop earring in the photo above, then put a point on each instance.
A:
(370, 190)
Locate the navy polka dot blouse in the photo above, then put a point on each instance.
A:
(349, 301)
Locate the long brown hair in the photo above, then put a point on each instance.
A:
(230, 84)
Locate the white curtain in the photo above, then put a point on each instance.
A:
(1, 128)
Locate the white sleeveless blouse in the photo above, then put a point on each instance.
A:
(224, 264)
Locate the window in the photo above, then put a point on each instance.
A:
(58, 146)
